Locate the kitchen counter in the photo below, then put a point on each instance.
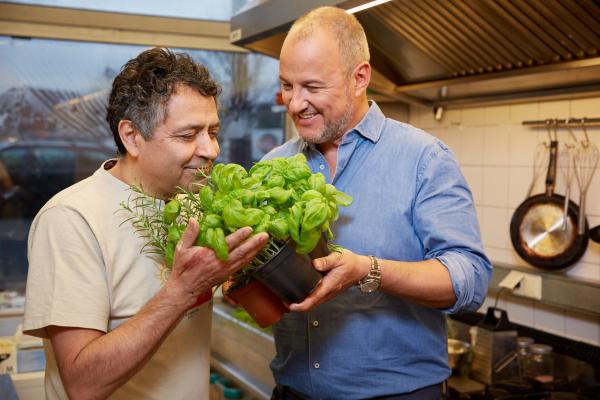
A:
(241, 352)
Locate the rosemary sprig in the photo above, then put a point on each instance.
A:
(146, 218)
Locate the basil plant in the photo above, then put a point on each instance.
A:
(279, 196)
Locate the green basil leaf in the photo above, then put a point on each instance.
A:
(275, 180)
(206, 197)
(279, 195)
(278, 228)
(317, 182)
(315, 214)
(220, 245)
(171, 211)
(311, 194)
(174, 234)
(212, 221)
(342, 199)
(308, 241)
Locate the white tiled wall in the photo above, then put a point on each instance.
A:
(496, 155)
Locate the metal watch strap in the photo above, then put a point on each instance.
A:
(371, 282)
(375, 271)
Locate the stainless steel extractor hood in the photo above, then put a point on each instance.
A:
(456, 52)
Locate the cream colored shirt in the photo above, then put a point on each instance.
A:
(86, 270)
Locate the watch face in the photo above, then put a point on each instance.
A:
(369, 286)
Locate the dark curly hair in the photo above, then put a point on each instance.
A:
(142, 89)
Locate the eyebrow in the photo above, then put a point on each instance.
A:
(305, 83)
(196, 127)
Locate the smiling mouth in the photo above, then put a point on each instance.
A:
(306, 118)
(200, 171)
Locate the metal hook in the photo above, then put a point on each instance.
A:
(568, 126)
(548, 123)
(554, 125)
(587, 139)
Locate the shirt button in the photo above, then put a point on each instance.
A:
(317, 365)
(321, 167)
(315, 323)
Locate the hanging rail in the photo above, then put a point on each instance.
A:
(563, 122)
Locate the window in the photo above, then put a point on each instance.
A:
(53, 133)
(220, 10)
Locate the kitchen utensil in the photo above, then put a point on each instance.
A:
(586, 161)
(458, 353)
(535, 227)
(570, 148)
(540, 159)
(495, 340)
(595, 234)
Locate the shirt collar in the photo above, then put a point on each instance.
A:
(371, 125)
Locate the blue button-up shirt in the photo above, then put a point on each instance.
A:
(411, 203)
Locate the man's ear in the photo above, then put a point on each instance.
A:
(130, 137)
(362, 78)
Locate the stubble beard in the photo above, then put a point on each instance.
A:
(333, 129)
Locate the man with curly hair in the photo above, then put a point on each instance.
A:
(113, 326)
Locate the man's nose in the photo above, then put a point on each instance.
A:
(297, 102)
(207, 147)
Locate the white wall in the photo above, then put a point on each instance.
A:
(496, 155)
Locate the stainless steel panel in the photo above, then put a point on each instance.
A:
(241, 352)
(459, 39)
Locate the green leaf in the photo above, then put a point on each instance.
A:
(212, 221)
(220, 245)
(330, 190)
(342, 199)
(294, 219)
(317, 182)
(315, 214)
(279, 195)
(311, 194)
(275, 180)
(174, 234)
(278, 228)
(171, 211)
(206, 197)
(308, 241)
(297, 172)
(260, 170)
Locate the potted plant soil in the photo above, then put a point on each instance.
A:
(279, 196)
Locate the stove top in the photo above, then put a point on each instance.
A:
(523, 390)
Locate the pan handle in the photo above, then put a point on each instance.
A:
(551, 175)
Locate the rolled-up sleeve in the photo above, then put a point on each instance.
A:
(446, 222)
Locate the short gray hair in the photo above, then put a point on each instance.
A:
(344, 27)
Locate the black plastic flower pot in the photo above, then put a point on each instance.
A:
(290, 275)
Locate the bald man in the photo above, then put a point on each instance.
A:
(375, 327)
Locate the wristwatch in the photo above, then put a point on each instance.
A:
(371, 282)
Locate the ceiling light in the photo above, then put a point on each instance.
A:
(366, 5)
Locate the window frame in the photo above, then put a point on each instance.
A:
(111, 27)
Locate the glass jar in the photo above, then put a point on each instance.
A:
(540, 366)
(523, 343)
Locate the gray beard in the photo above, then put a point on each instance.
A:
(333, 130)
